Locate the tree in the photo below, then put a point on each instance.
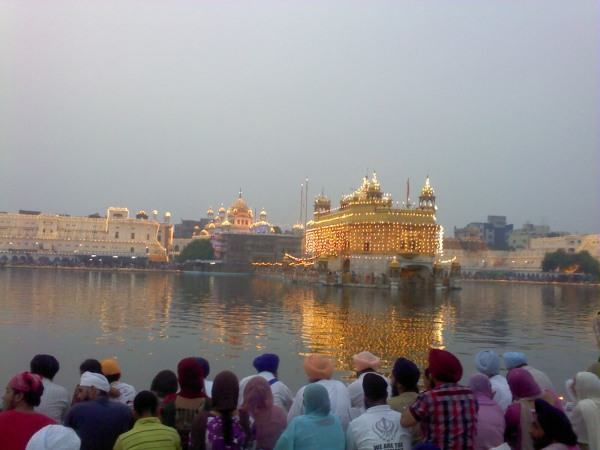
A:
(581, 262)
(197, 249)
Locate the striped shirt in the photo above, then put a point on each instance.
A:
(448, 416)
(148, 433)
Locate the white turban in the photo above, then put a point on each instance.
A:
(54, 437)
(99, 381)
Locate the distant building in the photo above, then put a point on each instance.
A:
(240, 250)
(186, 228)
(493, 233)
(519, 239)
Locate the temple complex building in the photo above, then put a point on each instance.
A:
(368, 235)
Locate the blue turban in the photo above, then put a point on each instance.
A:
(268, 362)
(487, 362)
(514, 359)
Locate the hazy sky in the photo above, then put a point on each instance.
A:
(176, 104)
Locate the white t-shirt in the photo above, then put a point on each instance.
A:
(338, 398)
(282, 396)
(55, 401)
(357, 394)
(502, 392)
(378, 429)
(127, 393)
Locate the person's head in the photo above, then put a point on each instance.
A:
(257, 396)
(23, 392)
(487, 362)
(551, 425)
(481, 386)
(54, 437)
(267, 362)
(225, 391)
(111, 369)
(191, 378)
(375, 389)
(318, 367)
(205, 365)
(405, 376)
(145, 404)
(522, 384)
(90, 365)
(514, 360)
(365, 361)
(164, 383)
(587, 385)
(443, 368)
(316, 400)
(92, 386)
(45, 366)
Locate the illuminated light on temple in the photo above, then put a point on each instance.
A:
(367, 226)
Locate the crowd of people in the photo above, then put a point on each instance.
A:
(186, 410)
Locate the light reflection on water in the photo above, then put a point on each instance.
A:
(151, 320)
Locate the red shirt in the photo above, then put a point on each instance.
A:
(448, 416)
(16, 428)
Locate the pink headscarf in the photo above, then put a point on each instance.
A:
(481, 386)
(269, 420)
(522, 384)
(27, 382)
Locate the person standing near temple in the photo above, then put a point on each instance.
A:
(112, 371)
(56, 400)
(267, 366)
(97, 420)
(490, 417)
(319, 369)
(379, 426)
(447, 411)
(19, 421)
(363, 362)
(487, 362)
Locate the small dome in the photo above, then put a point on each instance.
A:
(427, 190)
(167, 214)
(225, 224)
(263, 215)
(221, 210)
(209, 212)
(204, 233)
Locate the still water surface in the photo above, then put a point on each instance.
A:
(151, 320)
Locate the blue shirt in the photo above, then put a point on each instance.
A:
(98, 423)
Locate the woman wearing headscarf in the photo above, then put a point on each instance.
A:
(551, 429)
(269, 420)
(487, 362)
(518, 415)
(317, 428)
(191, 399)
(586, 414)
(164, 385)
(224, 427)
(490, 417)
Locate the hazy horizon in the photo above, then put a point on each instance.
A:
(177, 105)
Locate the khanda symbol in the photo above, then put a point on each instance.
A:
(385, 429)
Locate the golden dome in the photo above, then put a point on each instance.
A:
(263, 215)
(210, 212)
(210, 226)
(239, 206)
(221, 210)
(204, 233)
(225, 224)
(427, 190)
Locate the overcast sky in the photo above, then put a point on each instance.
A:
(176, 104)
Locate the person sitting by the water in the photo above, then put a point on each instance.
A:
(490, 417)
(379, 426)
(488, 363)
(447, 411)
(405, 390)
(164, 385)
(120, 391)
(207, 383)
(267, 366)
(54, 437)
(97, 421)
(19, 421)
(191, 399)
(317, 428)
(88, 365)
(551, 429)
(224, 427)
(148, 432)
(518, 415)
(363, 362)
(56, 399)
(585, 416)
(319, 369)
(518, 360)
(269, 420)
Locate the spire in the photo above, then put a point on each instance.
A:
(240, 193)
